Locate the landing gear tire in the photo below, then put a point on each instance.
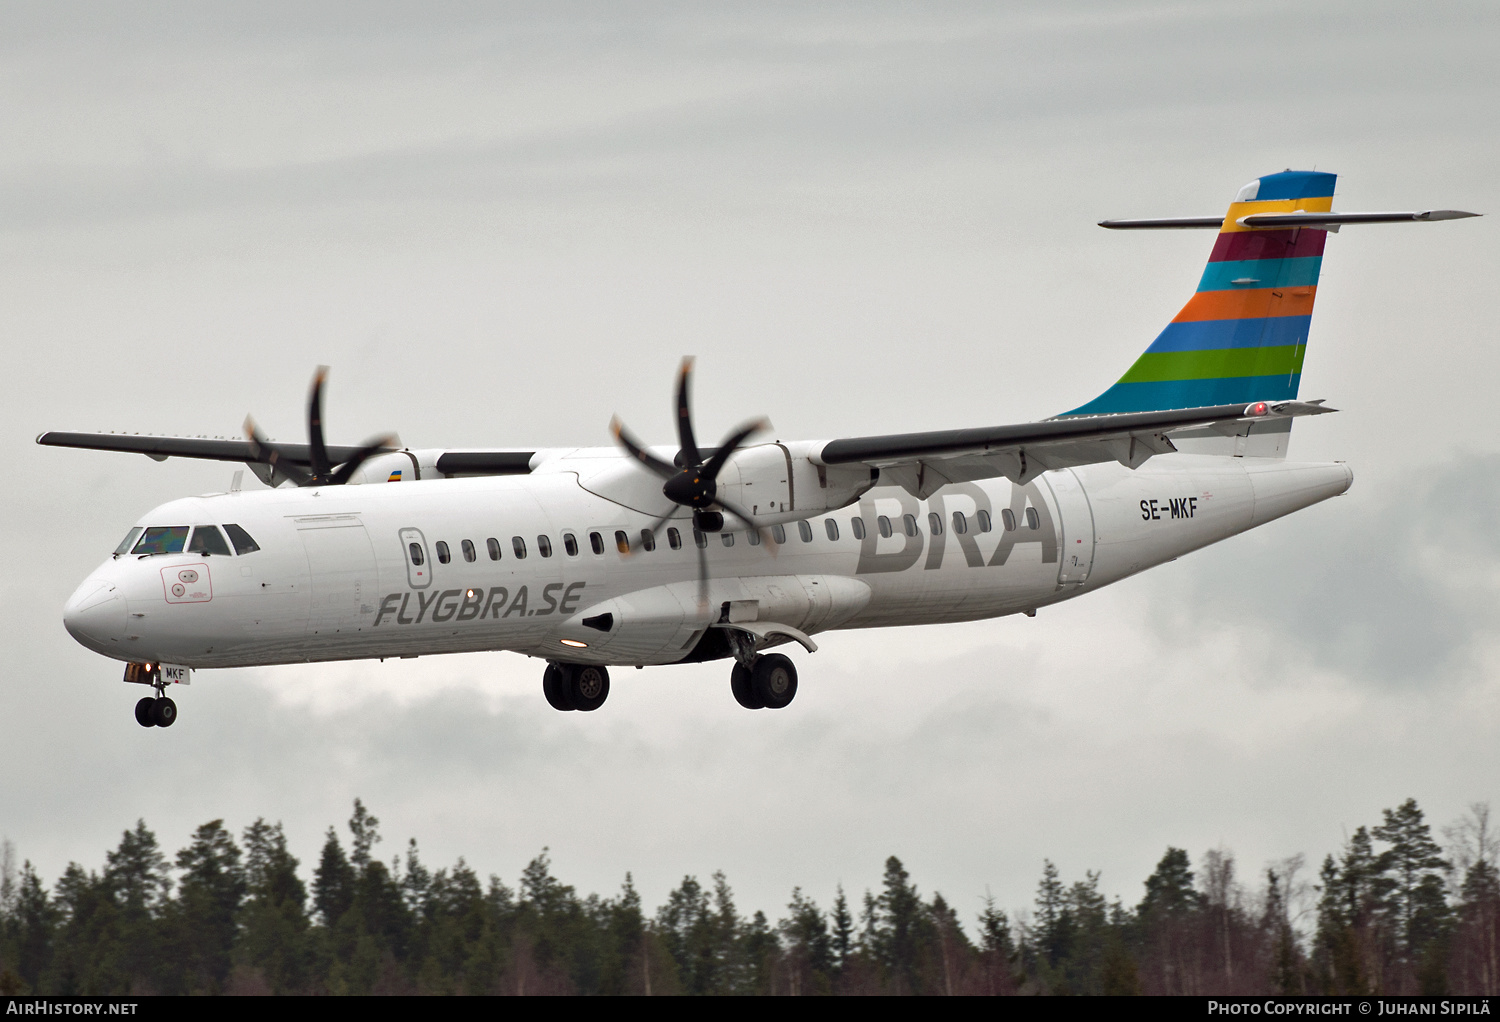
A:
(143, 715)
(557, 687)
(743, 687)
(590, 686)
(163, 712)
(773, 678)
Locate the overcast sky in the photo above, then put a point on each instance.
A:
(500, 227)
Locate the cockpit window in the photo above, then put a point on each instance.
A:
(168, 539)
(243, 544)
(129, 541)
(207, 539)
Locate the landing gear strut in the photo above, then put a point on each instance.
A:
(575, 686)
(152, 712)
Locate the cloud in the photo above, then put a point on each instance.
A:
(1392, 585)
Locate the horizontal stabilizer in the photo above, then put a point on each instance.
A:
(1301, 219)
(1169, 223)
(1284, 220)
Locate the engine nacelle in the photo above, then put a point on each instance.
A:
(780, 483)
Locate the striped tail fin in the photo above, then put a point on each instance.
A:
(1242, 337)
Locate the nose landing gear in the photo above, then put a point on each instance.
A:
(157, 711)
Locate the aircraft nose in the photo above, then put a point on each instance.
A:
(95, 615)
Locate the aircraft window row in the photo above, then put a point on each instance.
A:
(170, 540)
(206, 540)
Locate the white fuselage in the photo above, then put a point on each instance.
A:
(334, 577)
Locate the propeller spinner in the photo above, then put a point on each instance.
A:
(319, 472)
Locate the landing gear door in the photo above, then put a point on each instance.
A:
(1076, 518)
(417, 557)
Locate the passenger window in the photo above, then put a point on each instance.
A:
(674, 539)
(162, 540)
(648, 540)
(468, 549)
(727, 538)
(1008, 519)
(909, 523)
(493, 546)
(207, 539)
(243, 544)
(700, 538)
(596, 543)
(1033, 520)
(984, 521)
(622, 541)
(805, 531)
(778, 532)
(884, 525)
(570, 544)
(753, 537)
(832, 528)
(442, 551)
(934, 523)
(518, 547)
(130, 538)
(414, 551)
(960, 523)
(544, 546)
(858, 527)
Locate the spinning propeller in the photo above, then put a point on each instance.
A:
(321, 472)
(692, 480)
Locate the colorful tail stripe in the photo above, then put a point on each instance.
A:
(1243, 335)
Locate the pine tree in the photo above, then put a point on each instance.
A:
(333, 882)
(997, 945)
(1412, 870)
(843, 930)
(273, 920)
(903, 933)
(137, 881)
(1169, 889)
(208, 904)
(1166, 918)
(33, 918)
(1050, 923)
(809, 946)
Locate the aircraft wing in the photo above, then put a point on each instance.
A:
(924, 462)
(160, 448)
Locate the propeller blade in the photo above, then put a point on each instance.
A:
(702, 572)
(317, 450)
(765, 534)
(738, 512)
(347, 469)
(624, 438)
(655, 528)
(269, 454)
(731, 444)
(689, 446)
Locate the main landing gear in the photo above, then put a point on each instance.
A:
(152, 711)
(768, 683)
(575, 686)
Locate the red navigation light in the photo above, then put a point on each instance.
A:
(1259, 408)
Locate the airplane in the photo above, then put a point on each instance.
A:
(631, 555)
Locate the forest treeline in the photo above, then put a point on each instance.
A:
(1393, 911)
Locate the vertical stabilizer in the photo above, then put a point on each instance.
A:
(1243, 335)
